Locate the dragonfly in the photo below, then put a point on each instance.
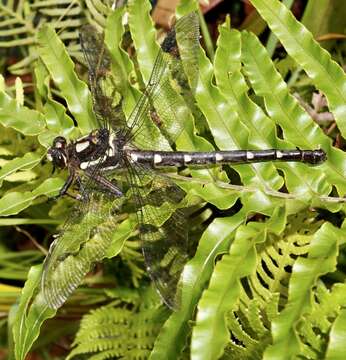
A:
(115, 170)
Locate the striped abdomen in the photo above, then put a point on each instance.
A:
(182, 158)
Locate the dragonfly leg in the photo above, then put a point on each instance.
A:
(82, 194)
(66, 186)
(64, 190)
(105, 184)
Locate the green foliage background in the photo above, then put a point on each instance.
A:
(277, 289)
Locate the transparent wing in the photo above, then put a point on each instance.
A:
(187, 34)
(106, 100)
(180, 58)
(85, 237)
(158, 200)
(177, 60)
(88, 233)
(163, 229)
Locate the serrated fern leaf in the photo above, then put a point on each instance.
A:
(125, 334)
(20, 21)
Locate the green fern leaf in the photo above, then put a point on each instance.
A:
(20, 118)
(60, 66)
(299, 43)
(119, 332)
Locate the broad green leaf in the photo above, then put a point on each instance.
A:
(337, 338)
(30, 314)
(215, 240)
(27, 121)
(60, 67)
(14, 202)
(212, 193)
(28, 161)
(298, 128)
(326, 74)
(303, 182)
(321, 259)
(272, 40)
(144, 41)
(58, 123)
(42, 78)
(210, 334)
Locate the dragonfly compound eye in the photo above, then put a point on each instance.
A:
(57, 157)
(59, 142)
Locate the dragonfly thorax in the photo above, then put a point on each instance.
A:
(82, 153)
(91, 149)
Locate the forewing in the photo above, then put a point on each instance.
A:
(85, 237)
(187, 35)
(163, 229)
(179, 61)
(106, 99)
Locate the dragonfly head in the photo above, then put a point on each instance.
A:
(57, 153)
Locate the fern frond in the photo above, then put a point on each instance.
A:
(21, 20)
(255, 281)
(299, 43)
(118, 332)
(270, 292)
